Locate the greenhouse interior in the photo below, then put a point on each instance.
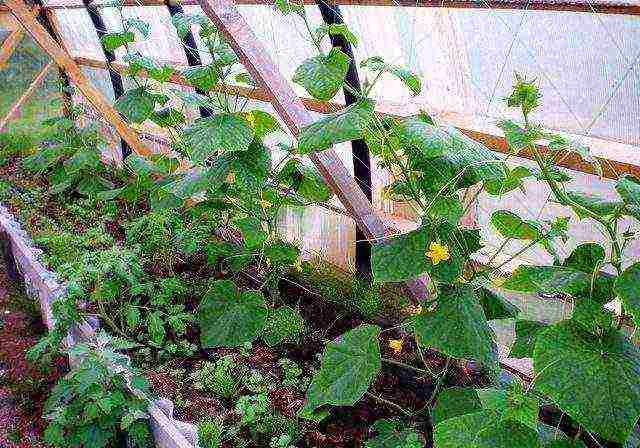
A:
(330, 223)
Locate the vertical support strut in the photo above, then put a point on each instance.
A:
(190, 49)
(116, 78)
(361, 159)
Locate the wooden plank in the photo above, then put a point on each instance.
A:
(610, 154)
(255, 57)
(14, 112)
(600, 7)
(22, 13)
(9, 46)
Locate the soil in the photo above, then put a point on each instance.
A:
(24, 387)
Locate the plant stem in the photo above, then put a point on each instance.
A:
(402, 364)
(391, 404)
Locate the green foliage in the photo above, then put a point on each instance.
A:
(592, 378)
(92, 406)
(377, 64)
(224, 132)
(393, 434)
(222, 378)
(322, 76)
(210, 433)
(284, 324)
(457, 327)
(228, 318)
(349, 365)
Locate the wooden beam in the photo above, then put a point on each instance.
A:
(255, 57)
(14, 112)
(610, 154)
(24, 15)
(630, 7)
(9, 46)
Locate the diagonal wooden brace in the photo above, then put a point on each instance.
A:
(25, 17)
(14, 112)
(256, 60)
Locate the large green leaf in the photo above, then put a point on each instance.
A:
(454, 402)
(393, 434)
(627, 288)
(223, 132)
(495, 306)
(136, 105)
(113, 41)
(511, 225)
(345, 125)
(596, 205)
(323, 75)
(532, 279)
(596, 380)
(252, 232)
(511, 181)
(508, 434)
(204, 77)
(457, 327)
(629, 188)
(305, 181)
(401, 257)
(587, 257)
(409, 79)
(462, 431)
(526, 333)
(229, 319)
(425, 137)
(349, 366)
(252, 167)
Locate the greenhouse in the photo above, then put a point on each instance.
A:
(340, 224)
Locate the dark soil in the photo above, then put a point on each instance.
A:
(24, 387)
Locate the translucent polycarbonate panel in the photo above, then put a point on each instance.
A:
(79, 34)
(21, 69)
(162, 44)
(285, 37)
(536, 203)
(467, 60)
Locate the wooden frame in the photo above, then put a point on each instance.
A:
(629, 7)
(612, 168)
(255, 58)
(25, 17)
(14, 112)
(9, 46)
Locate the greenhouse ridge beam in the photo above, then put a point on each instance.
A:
(611, 168)
(331, 15)
(603, 7)
(24, 16)
(255, 58)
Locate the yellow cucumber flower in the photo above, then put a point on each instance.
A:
(437, 252)
(396, 345)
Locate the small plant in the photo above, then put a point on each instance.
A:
(292, 374)
(210, 432)
(222, 378)
(263, 422)
(92, 406)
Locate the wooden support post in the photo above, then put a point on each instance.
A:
(256, 60)
(14, 112)
(9, 46)
(22, 13)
